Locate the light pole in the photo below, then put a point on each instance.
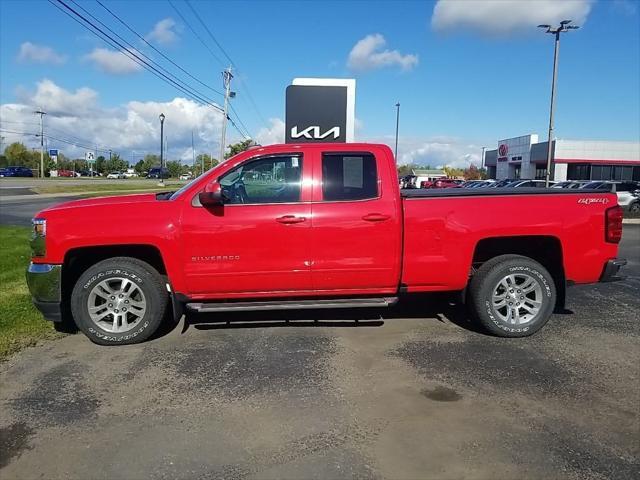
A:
(397, 126)
(563, 27)
(161, 182)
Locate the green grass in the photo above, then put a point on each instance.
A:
(151, 186)
(20, 322)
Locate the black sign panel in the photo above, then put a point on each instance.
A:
(316, 114)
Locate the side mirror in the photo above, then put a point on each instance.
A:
(212, 195)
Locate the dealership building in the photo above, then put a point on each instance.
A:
(525, 157)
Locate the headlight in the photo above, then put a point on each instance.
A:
(38, 237)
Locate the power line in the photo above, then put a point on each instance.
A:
(133, 50)
(215, 40)
(195, 33)
(157, 50)
(125, 51)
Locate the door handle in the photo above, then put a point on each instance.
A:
(290, 219)
(376, 217)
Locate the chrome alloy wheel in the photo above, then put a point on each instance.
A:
(517, 298)
(116, 305)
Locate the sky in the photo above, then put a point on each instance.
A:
(467, 73)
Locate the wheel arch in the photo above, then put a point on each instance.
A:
(544, 249)
(77, 260)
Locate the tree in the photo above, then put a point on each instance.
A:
(139, 167)
(453, 172)
(17, 154)
(236, 148)
(116, 164)
(175, 168)
(408, 169)
(209, 163)
(100, 164)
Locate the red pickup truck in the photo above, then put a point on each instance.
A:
(316, 226)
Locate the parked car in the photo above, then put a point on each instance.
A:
(116, 175)
(240, 238)
(634, 205)
(17, 172)
(186, 176)
(66, 173)
(130, 175)
(529, 184)
(624, 190)
(2, 170)
(570, 184)
(505, 182)
(446, 183)
(158, 173)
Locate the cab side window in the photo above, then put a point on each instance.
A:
(265, 180)
(349, 176)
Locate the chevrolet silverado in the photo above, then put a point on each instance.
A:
(316, 226)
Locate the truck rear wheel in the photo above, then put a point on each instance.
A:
(119, 301)
(512, 296)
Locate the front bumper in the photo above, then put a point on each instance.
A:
(45, 284)
(611, 268)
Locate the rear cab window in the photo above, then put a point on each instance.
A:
(349, 177)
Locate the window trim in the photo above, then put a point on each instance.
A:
(349, 153)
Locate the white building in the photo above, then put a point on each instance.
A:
(525, 157)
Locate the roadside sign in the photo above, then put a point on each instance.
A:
(53, 154)
(90, 156)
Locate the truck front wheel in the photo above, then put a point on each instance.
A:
(512, 296)
(119, 301)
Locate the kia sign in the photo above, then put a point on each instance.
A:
(320, 110)
(503, 150)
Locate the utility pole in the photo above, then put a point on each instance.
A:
(42, 114)
(226, 80)
(563, 27)
(397, 126)
(161, 181)
(193, 154)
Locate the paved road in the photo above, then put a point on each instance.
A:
(21, 212)
(409, 393)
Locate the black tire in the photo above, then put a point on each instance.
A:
(483, 284)
(634, 207)
(143, 276)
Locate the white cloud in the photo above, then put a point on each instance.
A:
(132, 129)
(274, 133)
(436, 152)
(30, 52)
(113, 61)
(501, 17)
(163, 32)
(366, 54)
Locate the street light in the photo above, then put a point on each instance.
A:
(563, 27)
(162, 117)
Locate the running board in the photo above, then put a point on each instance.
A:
(292, 304)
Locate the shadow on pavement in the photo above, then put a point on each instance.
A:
(436, 307)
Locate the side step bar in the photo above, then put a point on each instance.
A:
(292, 304)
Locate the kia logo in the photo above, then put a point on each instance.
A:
(313, 132)
(503, 150)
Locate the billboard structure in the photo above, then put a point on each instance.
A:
(320, 110)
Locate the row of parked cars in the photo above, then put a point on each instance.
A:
(628, 192)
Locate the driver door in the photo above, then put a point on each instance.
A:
(257, 243)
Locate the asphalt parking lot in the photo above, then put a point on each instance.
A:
(413, 392)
